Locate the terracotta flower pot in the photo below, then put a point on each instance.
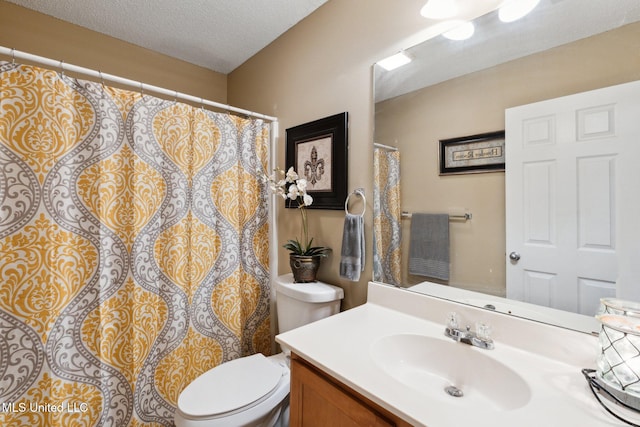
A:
(304, 268)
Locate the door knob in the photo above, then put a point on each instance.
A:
(514, 256)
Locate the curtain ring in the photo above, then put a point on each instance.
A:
(142, 90)
(175, 96)
(13, 56)
(102, 88)
(202, 104)
(101, 78)
(62, 68)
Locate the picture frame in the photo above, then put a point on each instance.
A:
(473, 154)
(318, 152)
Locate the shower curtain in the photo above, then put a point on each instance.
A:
(386, 216)
(133, 249)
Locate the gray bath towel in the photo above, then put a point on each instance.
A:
(429, 245)
(352, 256)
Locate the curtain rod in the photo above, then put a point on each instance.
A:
(385, 147)
(16, 54)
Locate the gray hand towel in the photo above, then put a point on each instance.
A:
(429, 245)
(352, 256)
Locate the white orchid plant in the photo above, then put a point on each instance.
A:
(291, 186)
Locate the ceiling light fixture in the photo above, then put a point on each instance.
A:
(440, 9)
(394, 61)
(460, 32)
(516, 9)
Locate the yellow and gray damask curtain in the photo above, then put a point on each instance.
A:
(133, 249)
(386, 216)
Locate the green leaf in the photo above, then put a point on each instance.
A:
(296, 248)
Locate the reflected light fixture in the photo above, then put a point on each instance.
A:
(394, 61)
(440, 9)
(460, 32)
(516, 9)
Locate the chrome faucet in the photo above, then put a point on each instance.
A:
(479, 338)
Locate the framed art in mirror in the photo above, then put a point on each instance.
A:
(318, 152)
(472, 154)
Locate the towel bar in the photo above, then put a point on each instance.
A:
(467, 216)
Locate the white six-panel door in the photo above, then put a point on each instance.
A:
(573, 199)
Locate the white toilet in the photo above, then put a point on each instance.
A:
(254, 390)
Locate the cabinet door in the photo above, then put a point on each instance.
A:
(319, 400)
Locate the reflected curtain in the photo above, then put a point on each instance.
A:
(386, 216)
(133, 249)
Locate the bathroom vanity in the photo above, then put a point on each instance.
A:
(319, 399)
(388, 362)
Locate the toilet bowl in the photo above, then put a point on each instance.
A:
(249, 391)
(254, 390)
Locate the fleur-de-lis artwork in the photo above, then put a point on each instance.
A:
(314, 167)
(318, 152)
(314, 163)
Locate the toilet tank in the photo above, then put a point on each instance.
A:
(298, 304)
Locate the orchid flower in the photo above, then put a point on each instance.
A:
(295, 188)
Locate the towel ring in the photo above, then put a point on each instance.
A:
(359, 192)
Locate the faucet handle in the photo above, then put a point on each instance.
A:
(452, 320)
(483, 331)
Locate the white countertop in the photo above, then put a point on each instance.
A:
(548, 358)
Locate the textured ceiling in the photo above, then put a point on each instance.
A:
(216, 34)
(552, 23)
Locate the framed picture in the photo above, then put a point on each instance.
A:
(472, 154)
(318, 152)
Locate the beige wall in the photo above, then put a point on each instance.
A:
(298, 79)
(475, 104)
(321, 67)
(32, 32)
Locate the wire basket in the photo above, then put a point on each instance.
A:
(619, 307)
(618, 363)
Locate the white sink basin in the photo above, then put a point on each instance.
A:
(429, 365)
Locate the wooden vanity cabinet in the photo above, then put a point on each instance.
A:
(317, 399)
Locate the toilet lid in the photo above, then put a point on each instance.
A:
(230, 386)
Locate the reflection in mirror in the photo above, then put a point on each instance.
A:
(454, 89)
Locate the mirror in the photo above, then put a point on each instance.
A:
(455, 89)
